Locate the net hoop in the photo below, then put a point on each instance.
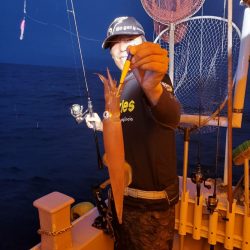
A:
(190, 19)
(200, 61)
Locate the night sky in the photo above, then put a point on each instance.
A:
(47, 39)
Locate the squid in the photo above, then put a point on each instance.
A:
(114, 158)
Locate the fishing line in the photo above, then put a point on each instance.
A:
(73, 49)
(217, 147)
(72, 11)
(36, 20)
(57, 26)
(200, 90)
(74, 34)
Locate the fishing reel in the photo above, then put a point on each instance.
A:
(77, 112)
(80, 115)
(212, 203)
(197, 178)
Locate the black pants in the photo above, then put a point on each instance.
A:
(146, 230)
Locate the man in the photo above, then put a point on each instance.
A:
(149, 115)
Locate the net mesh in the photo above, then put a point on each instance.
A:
(180, 31)
(171, 11)
(200, 64)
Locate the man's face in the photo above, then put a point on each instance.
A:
(118, 50)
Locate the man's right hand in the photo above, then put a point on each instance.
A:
(94, 119)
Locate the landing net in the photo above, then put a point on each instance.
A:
(171, 11)
(200, 64)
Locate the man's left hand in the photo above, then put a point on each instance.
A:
(149, 65)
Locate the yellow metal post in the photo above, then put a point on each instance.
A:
(229, 234)
(197, 218)
(212, 228)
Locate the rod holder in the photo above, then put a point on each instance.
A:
(246, 232)
(212, 228)
(183, 213)
(198, 218)
(230, 223)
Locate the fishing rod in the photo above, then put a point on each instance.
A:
(77, 110)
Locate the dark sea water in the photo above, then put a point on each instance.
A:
(44, 150)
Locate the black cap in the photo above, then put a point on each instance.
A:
(122, 26)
